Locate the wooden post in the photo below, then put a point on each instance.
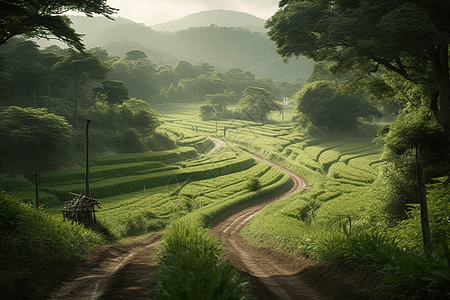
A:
(423, 204)
(88, 120)
(36, 185)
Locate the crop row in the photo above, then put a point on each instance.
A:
(127, 184)
(203, 187)
(108, 171)
(180, 153)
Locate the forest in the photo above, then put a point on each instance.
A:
(178, 147)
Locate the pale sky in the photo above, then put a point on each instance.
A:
(152, 12)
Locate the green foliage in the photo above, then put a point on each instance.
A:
(253, 184)
(256, 103)
(42, 20)
(190, 266)
(163, 156)
(31, 139)
(297, 209)
(410, 231)
(80, 68)
(115, 91)
(415, 131)
(28, 236)
(150, 178)
(418, 276)
(372, 39)
(326, 108)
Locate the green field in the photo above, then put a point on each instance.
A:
(340, 219)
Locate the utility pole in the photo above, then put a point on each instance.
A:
(88, 120)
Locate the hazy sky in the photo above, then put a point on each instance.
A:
(152, 12)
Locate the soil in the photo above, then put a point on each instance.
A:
(124, 271)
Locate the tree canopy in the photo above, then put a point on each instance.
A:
(31, 138)
(256, 104)
(329, 109)
(406, 38)
(43, 18)
(80, 68)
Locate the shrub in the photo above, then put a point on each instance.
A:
(28, 236)
(190, 266)
(253, 184)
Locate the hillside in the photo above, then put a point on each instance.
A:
(222, 47)
(220, 17)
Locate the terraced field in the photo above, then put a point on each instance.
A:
(144, 192)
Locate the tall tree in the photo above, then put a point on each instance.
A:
(44, 18)
(81, 68)
(409, 38)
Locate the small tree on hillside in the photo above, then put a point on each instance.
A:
(256, 104)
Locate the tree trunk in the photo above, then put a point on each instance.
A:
(423, 204)
(440, 65)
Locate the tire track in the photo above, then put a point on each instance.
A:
(91, 282)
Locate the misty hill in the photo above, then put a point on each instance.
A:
(222, 47)
(220, 17)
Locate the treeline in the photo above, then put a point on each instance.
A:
(66, 87)
(223, 47)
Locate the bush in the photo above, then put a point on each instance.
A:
(28, 237)
(190, 266)
(253, 184)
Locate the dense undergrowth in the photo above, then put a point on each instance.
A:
(29, 237)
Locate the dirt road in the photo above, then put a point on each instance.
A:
(113, 272)
(276, 276)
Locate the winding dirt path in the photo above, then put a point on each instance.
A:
(276, 276)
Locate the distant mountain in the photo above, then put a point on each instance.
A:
(219, 17)
(223, 47)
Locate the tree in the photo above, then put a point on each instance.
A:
(404, 45)
(43, 19)
(80, 68)
(135, 56)
(115, 91)
(408, 38)
(207, 112)
(31, 138)
(256, 103)
(327, 108)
